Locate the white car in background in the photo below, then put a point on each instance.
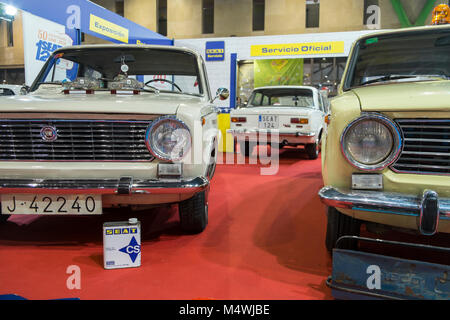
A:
(296, 113)
(11, 90)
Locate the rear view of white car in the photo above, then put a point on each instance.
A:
(292, 114)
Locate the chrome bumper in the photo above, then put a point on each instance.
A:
(388, 203)
(122, 186)
(292, 137)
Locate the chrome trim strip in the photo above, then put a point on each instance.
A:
(101, 186)
(417, 172)
(426, 127)
(428, 140)
(376, 201)
(423, 120)
(426, 153)
(424, 166)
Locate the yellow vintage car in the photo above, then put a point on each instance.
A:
(386, 151)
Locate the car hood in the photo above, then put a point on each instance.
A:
(406, 96)
(147, 103)
(300, 111)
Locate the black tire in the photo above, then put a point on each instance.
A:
(246, 150)
(338, 225)
(194, 213)
(4, 217)
(312, 150)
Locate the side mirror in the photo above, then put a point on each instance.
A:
(25, 89)
(222, 94)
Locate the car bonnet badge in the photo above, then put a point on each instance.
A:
(49, 133)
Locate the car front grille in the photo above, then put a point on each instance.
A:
(426, 147)
(76, 140)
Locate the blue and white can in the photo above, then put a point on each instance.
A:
(122, 244)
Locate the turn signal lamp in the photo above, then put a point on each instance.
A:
(441, 15)
(238, 119)
(300, 120)
(327, 119)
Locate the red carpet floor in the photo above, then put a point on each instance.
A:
(265, 240)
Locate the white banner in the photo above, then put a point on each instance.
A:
(40, 38)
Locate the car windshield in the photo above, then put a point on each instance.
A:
(282, 97)
(149, 69)
(410, 56)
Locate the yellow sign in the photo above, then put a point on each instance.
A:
(108, 29)
(294, 49)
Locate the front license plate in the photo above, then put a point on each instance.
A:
(268, 122)
(51, 204)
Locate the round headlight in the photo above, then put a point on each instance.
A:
(168, 139)
(371, 142)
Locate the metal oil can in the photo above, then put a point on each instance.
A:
(122, 244)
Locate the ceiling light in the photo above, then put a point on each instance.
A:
(10, 10)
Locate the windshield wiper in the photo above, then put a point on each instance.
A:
(150, 89)
(398, 77)
(387, 78)
(51, 82)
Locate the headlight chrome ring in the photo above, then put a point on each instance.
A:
(390, 157)
(162, 146)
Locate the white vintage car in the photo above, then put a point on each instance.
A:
(11, 90)
(111, 126)
(292, 115)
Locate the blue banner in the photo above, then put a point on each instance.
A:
(91, 19)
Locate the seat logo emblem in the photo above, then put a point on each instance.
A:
(49, 133)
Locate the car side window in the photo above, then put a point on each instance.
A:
(256, 100)
(321, 105)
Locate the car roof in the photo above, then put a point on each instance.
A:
(404, 30)
(131, 46)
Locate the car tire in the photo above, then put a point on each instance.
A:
(246, 150)
(312, 150)
(194, 213)
(338, 225)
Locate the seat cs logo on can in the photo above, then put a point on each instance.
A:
(133, 249)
